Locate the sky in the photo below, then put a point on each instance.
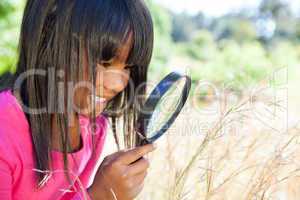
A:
(215, 7)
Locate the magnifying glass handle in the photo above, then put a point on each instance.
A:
(143, 142)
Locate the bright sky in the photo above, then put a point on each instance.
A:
(214, 7)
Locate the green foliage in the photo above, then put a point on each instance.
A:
(242, 65)
(275, 8)
(184, 25)
(285, 54)
(162, 39)
(202, 47)
(6, 8)
(10, 19)
(222, 50)
(235, 28)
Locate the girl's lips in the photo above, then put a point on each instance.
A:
(99, 99)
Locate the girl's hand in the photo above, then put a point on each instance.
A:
(121, 175)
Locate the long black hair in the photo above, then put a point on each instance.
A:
(55, 34)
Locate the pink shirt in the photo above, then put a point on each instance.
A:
(17, 158)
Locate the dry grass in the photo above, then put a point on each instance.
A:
(233, 154)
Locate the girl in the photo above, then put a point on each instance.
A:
(80, 64)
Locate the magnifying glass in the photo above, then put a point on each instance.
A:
(162, 107)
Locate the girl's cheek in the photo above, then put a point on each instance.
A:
(116, 80)
(80, 103)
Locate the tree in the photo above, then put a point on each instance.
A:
(162, 38)
(184, 25)
(280, 12)
(234, 27)
(10, 19)
(5, 9)
(275, 8)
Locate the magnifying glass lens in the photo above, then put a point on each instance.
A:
(165, 108)
(162, 107)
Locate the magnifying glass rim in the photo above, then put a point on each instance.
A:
(151, 103)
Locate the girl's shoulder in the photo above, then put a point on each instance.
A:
(5, 98)
(13, 123)
(14, 131)
(11, 111)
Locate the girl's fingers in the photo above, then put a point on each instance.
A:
(138, 167)
(138, 179)
(132, 155)
(137, 190)
(137, 184)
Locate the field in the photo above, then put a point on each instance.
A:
(230, 147)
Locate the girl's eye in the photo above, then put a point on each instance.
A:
(129, 67)
(106, 64)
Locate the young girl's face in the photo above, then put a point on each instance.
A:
(112, 77)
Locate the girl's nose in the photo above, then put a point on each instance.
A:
(115, 80)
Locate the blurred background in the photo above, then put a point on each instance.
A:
(240, 41)
(240, 49)
(219, 41)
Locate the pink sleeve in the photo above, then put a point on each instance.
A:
(7, 166)
(5, 180)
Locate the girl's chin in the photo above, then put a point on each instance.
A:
(98, 111)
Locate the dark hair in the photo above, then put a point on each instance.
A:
(55, 33)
